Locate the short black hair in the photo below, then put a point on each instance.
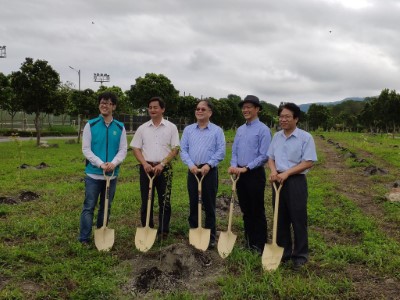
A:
(208, 103)
(160, 101)
(292, 107)
(108, 96)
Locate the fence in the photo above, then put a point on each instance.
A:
(25, 122)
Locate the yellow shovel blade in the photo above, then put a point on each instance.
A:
(145, 238)
(104, 238)
(199, 238)
(226, 242)
(271, 257)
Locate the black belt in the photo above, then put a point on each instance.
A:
(202, 165)
(294, 175)
(153, 163)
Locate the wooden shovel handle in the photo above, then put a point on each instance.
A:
(106, 196)
(276, 209)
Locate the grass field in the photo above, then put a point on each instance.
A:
(40, 257)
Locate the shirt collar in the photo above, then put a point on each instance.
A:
(295, 133)
(152, 124)
(255, 121)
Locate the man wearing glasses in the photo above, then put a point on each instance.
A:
(203, 148)
(291, 155)
(249, 154)
(104, 146)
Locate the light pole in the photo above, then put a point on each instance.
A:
(3, 52)
(79, 75)
(101, 78)
(80, 117)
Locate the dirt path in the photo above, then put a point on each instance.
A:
(356, 185)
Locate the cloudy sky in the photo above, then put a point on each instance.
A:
(303, 51)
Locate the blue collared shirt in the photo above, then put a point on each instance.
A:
(202, 145)
(251, 144)
(290, 151)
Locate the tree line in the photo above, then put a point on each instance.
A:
(36, 89)
(377, 114)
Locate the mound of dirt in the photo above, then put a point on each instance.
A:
(175, 267)
(26, 196)
(7, 200)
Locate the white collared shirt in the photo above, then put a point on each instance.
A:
(156, 142)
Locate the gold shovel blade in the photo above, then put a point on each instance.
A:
(226, 242)
(199, 238)
(104, 238)
(271, 257)
(145, 238)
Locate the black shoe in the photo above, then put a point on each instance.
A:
(85, 244)
(211, 245)
(298, 265)
(256, 249)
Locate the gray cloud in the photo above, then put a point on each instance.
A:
(302, 51)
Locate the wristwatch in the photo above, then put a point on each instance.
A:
(247, 168)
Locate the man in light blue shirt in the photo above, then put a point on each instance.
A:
(249, 154)
(202, 149)
(291, 154)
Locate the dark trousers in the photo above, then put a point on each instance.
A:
(293, 213)
(250, 191)
(163, 185)
(208, 195)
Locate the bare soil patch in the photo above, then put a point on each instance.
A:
(173, 268)
(24, 196)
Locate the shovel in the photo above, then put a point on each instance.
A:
(199, 237)
(227, 239)
(146, 236)
(104, 237)
(272, 254)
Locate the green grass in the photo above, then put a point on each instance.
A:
(40, 257)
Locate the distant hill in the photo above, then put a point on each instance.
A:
(305, 107)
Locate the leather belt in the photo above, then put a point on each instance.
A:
(153, 163)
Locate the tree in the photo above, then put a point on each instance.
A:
(36, 85)
(83, 103)
(318, 116)
(185, 109)
(63, 93)
(234, 116)
(152, 85)
(8, 101)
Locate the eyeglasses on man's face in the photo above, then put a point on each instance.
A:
(285, 117)
(201, 109)
(106, 103)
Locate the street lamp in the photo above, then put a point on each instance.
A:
(3, 52)
(101, 77)
(79, 75)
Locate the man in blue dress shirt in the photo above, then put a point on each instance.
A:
(249, 154)
(291, 154)
(203, 148)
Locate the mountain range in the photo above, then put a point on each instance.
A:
(305, 107)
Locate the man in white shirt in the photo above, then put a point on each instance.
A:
(155, 144)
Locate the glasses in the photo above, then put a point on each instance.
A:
(201, 109)
(285, 117)
(108, 103)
